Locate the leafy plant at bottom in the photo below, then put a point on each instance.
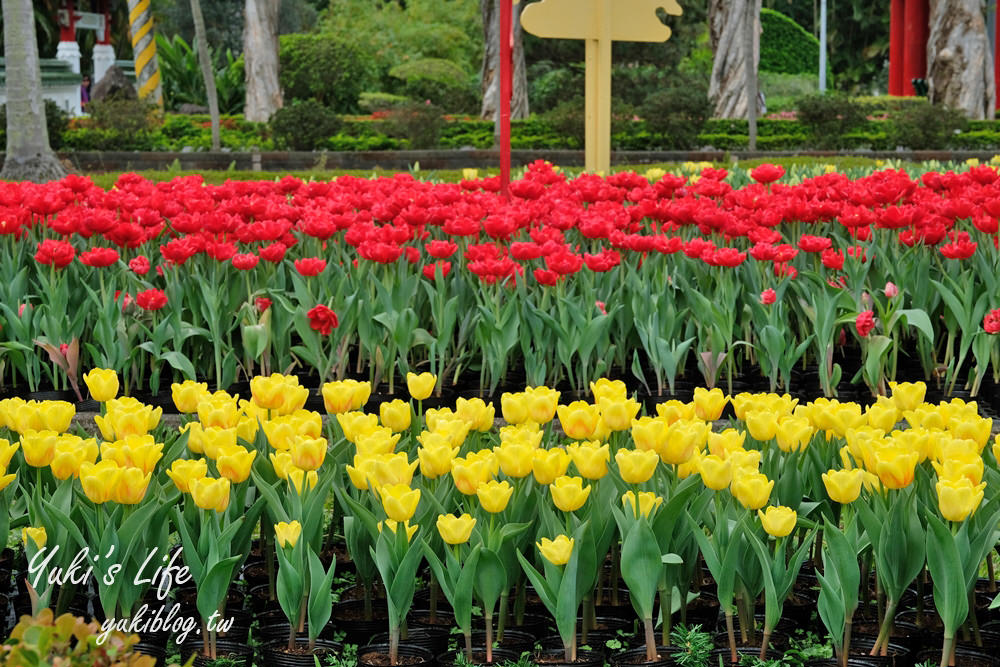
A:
(695, 646)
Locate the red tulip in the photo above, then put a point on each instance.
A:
(430, 270)
(310, 266)
(991, 323)
(322, 319)
(99, 257)
(57, 253)
(546, 277)
(245, 261)
(262, 303)
(864, 323)
(767, 173)
(441, 249)
(151, 299)
(768, 296)
(140, 265)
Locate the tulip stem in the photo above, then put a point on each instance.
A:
(393, 646)
(732, 637)
(489, 636)
(947, 649)
(846, 651)
(502, 614)
(666, 607)
(647, 624)
(882, 642)
(764, 642)
(468, 646)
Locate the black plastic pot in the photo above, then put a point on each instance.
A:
(433, 639)
(513, 640)
(741, 651)
(349, 617)
(831, 662)
(275, 653)
(637, 656)
(552, 657)
(964, 656)
(238, 652)
(536, 625)
(377, 655)
(898, 654)
(159, 653)
(500, 656)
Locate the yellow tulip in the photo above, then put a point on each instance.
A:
(399, 501)
(102, 383)
(975, 428)
(131, 486)
(345, 396)
(708, 405)
(636, 466)
(649, 433)
(883, 417)
(908, 395)
(302, 479)
(843, 486)
(845, 417)
(744, 461)
(455, 529)
(608, 389)
(308, 453)
(211, 494)
(578, 419)
(468, 474)
(752, 490)
(967, 465)
(778, 521)
(674, 410)
(7, 451)
(684, 438)
(476, 413)
(761, 425)
(793, 434)
(727, 441)
(294, 398)
(269, 392)
(549, 464)
(216, 440)
(359, 473)
(392, 469)
(36, 535)
(618, 413)
(56, 415)
(395, 414)
(494, 495)
(895, 467)
(39, 447)
(286, 534)
(381, 440)
(71, 452)
(420, 386)
(557, 551)
(435, 460)
(958, 498)
(515, 459)
(542, 402)
(195, 437)
(220, 410)
(528, 434)
(391, 525)
(568, 493)
(716, 473)
(355, 424)
(188, 394)
(455, 430)
(514, 407)
(234, 464)
(185, 471)
(6, 479)
(648, 501)
(590, 458)
(99, 480)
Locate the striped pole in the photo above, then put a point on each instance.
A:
(147, 70)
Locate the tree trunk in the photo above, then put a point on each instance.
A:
(29, 155)
(728, 89)
(207, 71)
(959, 63)
(260, 48)
(491, 64)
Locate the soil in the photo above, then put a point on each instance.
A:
(382, 659)
(358, 614)
(303, 649)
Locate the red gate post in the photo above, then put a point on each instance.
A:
(506, 77)
(896, 28)
(916, 33)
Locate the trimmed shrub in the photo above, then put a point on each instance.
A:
(827, 118)
(441, 81)
(678, 113)
(372, 102)
(325, 68)
(925, 126)
(418, 122)
(786, 47)
(303, 126)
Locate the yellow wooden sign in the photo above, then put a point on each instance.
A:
(599, 23)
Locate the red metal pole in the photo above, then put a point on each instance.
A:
(996, 55)
(915, 45)
(896, 47)
(105, 38)
(67, 32)
(505, 91)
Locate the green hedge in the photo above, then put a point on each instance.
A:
(786, 47)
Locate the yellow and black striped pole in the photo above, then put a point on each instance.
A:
(147, 70)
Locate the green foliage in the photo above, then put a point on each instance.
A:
(440, 81)
(372, 102)
(827, 118)
(567, 120)
(925, 126)
(418, 122)
(695, 646)
(331, 70)
(785, 47)
(548, 84)
(56, 120)
(303, 126)
(69, 641)
(116, 124)
(679, 113)
(183, 82)
(782, 90)
(858, 45)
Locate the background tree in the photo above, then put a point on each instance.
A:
(726, 21)
(959, 61)
(201, 40)
(29, 155)
(490, 72)
(260, 49)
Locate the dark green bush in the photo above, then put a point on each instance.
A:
(418, 122)
(123, 115)
(56, 120)
(786, 47)
(548, 85)
(303, 126)
(567, 120)
(440, 81)
(678, 113)
(372, 102)
(97, 139)
(827, 118)
(925, 126)
(331, 70)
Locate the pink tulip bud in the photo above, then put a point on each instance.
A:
(891, 291)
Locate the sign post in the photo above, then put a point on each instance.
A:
(506, 78)
(599, 23)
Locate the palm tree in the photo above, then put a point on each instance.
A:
(29, 155)
(201, 41)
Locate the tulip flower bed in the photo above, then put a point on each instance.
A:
(572, 518)
(714, 278)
